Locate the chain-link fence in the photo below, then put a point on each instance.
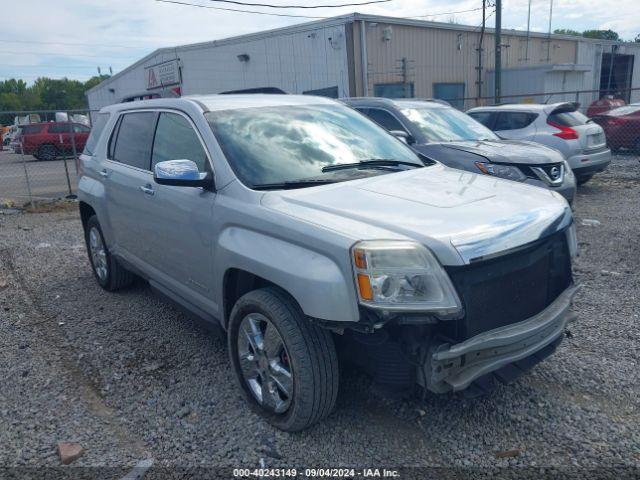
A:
(38, 160)
(39, 152)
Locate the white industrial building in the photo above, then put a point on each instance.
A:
(359, 55)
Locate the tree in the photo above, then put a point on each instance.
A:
(567, 31)
(44, 94)
(601, 34)
(637, 39)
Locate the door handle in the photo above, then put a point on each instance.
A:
(147, 189)
(104, 172)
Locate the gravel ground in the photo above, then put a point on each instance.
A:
(130, 377)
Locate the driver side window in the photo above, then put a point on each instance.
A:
(176, 139)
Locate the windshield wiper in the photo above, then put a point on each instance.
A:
(293, 184)
(374, 162)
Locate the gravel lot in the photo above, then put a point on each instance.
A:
(129, 377)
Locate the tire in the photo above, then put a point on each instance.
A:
(584, 179)
(307, 352)
(47, 152)
(108, 272)
(636, 146)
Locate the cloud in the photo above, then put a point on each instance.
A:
(119, 32)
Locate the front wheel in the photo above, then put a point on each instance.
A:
(286, 366)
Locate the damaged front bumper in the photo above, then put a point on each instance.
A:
(455, 367)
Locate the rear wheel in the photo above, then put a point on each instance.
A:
(47, 152)
(286, 366)
(108, 272)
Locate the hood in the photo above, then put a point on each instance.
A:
(461, 216)
(507, 151)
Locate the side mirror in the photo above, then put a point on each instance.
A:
(402, 136)
(180, 173)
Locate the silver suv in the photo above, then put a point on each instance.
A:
(307, 231)
(559, 125)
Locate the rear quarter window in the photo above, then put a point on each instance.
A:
(96, 131)
(569, 119)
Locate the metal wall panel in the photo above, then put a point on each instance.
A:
(295, 62)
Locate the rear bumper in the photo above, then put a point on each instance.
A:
(455, 367)
(590, 163)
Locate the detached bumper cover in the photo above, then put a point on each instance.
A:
(455, 367)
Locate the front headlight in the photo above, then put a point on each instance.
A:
(402, 275)
(503, 171)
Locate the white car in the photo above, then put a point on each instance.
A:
(559, 125)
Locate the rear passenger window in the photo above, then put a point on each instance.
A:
(513, 120)
(385, 119)
(177, 140)
(59, 128)
(135, 136)
(485, 118)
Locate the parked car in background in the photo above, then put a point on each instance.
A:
(440, 132)
(559, 125)
(47, 141)
(603, 105)
(298, 224)
(622, 127)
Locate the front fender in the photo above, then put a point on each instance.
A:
(322, 289)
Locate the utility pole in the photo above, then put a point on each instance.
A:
(526, 47)
(549, 34)
(480, 50)
(498, 38)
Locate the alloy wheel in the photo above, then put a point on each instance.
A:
(264, 363)
(98, 254)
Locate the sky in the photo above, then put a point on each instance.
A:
(72, 38)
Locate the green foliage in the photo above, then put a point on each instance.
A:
(601, 34)
(43, 94)
(567, 31)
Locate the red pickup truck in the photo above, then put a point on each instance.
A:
(47, 141)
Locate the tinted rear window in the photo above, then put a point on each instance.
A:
(569, 119)
(135, 136)
(31, 129)
(484, 118)
(96, 131)
(514, 120)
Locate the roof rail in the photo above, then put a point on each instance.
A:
(269, 90)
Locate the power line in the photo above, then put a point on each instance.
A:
(447, 13)
(9, 65)
(4, 52)
(270, 5)
(176, 2)
(67, 43)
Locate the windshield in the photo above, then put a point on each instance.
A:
(267, 145)
(447, 125)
